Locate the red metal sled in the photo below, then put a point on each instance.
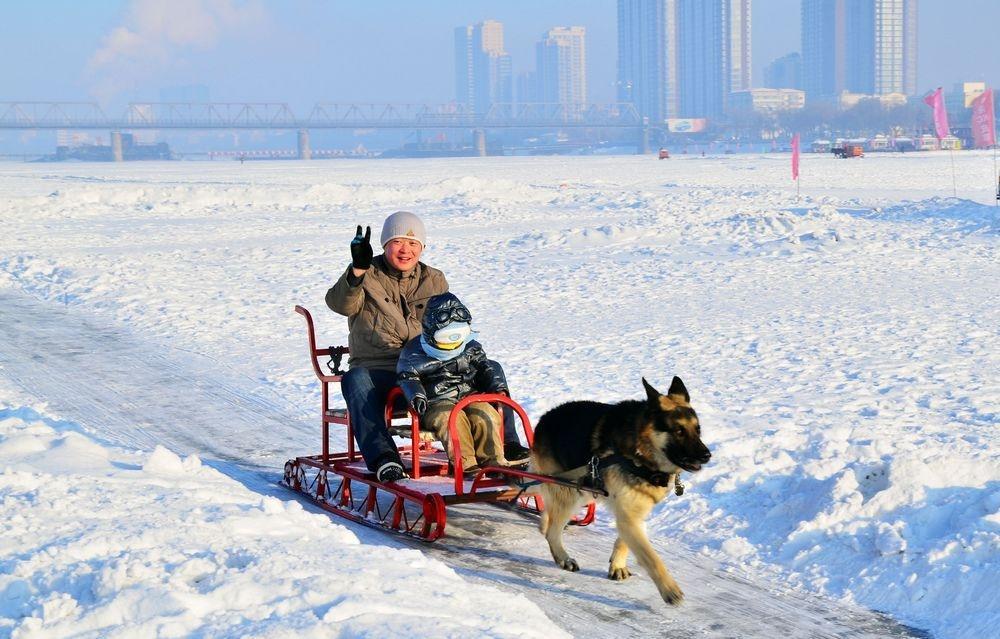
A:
(340, 482)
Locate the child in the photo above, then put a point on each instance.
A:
(443, 365)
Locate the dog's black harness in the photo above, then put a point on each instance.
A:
(595, 475)
(590, 477)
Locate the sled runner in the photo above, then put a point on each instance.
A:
(340, 482)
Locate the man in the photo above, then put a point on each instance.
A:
(384, 299)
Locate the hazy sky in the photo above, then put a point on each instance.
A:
(306, 51)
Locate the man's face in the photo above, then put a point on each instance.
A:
(402, 254)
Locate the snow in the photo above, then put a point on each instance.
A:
(106, 542)
(840, 348)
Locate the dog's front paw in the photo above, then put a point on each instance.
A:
(619, 573)
(672, 595)
(569, 564)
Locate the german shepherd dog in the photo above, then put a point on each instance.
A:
(634, 450)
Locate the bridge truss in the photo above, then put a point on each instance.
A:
(324, 115)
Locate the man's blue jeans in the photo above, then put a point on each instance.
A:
(365, 391)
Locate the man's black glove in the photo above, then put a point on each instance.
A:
(361, 249)
(419, 405)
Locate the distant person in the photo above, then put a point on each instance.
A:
(384, 298)
(443, 365)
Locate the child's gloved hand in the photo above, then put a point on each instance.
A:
(361, 249)
(419, 405)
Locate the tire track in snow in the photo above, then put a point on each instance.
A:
(135, 395)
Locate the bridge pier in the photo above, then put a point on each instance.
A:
(642, 146)
(479, 142)
(305, 152)
(116, 147)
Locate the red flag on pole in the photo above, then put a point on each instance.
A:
(984, 131)
(795, 156)
(936, 102)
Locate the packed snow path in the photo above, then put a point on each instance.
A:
(134, 394)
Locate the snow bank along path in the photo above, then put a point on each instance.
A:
(105, 542)
(841, 349)
(484, 544)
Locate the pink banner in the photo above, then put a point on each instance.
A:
(936, 102)
(795, 156)
(984, 129)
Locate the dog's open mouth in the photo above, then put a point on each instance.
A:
(691, 467)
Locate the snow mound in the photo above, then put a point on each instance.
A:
(113, 543)
(964, 215)
(582, 238)
(163, 462)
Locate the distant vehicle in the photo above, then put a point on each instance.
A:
(951, 143)
(848, 150)
(664, 154)
(928, 142)
(880, 143)
(821, 146)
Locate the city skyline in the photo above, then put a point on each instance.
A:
(482, 66)
(860, 46)
(683, 58)
(304, 52)
(714, 57)
(561, 66)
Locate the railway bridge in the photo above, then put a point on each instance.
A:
(324, 115)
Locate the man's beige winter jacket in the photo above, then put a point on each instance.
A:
(383, 310)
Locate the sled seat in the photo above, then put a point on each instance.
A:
(340, 416)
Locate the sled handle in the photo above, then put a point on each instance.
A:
(316, 353)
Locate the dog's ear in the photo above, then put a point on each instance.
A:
(678, 391)
(652, 394)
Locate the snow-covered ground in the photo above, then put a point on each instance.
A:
(841, 349)
(118, 543)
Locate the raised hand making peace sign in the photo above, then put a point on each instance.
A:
(361, 249)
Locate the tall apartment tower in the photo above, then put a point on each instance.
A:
(647, 57)
(561, 69)
(860, 46)
(714, 46)
(482, 66)
(682, 57)
(896, 47)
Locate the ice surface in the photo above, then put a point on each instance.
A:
(841, 349)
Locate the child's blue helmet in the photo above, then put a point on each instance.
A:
(447, 322)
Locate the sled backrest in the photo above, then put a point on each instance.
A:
(327, 416)
(316, 353)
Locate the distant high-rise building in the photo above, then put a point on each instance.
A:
(714, 54)
(482, 66)
(647, 57)
(561, 69)
(896, 47)
(860, 46)
(464, 83)
(682, 57)
(526, 87)
(784, 72)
